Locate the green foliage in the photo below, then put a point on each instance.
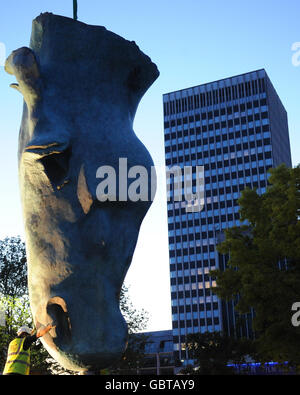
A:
(13, 272)
(213, 351)
(5, 339)
(136, 321)
(14, 304)
(19, 315)
(133, 356)
(264, 264)
(16, 312)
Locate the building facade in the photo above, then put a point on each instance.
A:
(159, 357)
(236, 129)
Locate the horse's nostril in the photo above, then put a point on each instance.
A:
(57, 311)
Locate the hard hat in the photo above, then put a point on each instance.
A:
(24, 329)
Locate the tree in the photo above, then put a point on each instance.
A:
(213, 352)
(264, 264)
(13, 290)
(13, 272)
(136, 321)
(19, 315)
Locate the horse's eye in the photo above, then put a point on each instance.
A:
(56, 167)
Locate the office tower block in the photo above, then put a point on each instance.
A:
(237, 129)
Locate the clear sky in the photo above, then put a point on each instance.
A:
(192, 42)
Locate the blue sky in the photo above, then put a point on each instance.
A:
(192, 42)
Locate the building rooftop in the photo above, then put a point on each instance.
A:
(218, 81)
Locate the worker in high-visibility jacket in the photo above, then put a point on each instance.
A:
(18, 356)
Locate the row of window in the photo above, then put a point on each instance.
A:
(213, 168)
(195, 315)
(196, 253)
(236, 164)
(218, 123)
(218, 148)
(177, 195)
(197, 305)
(222, 120)
(223, 221)
(225, 176)
(185, 331)
(191, 271)
(229, 111)
(189, 242)
(193, 243)
(201, 322)
(207, 211)
(229, 187)
(178, 242)
(188, 233)
(225, 198)
(189, 294)
(209, 157)
(209, 220)
(193, 240)
(227, 180)
(198, 258)
(181, 241)
(222, 225)
(185, 296)
(193, 134)
(215, 97)
(187, 287)
(217, 156)
(237, 124)
(237, 127)
(190, 279)
(192, 258)
(182, 332)
(238, 144)
(193, 301)
(218, 204)
(181, 251)
(176, 265)
(212, 138)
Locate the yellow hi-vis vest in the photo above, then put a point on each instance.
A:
(18, 359)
